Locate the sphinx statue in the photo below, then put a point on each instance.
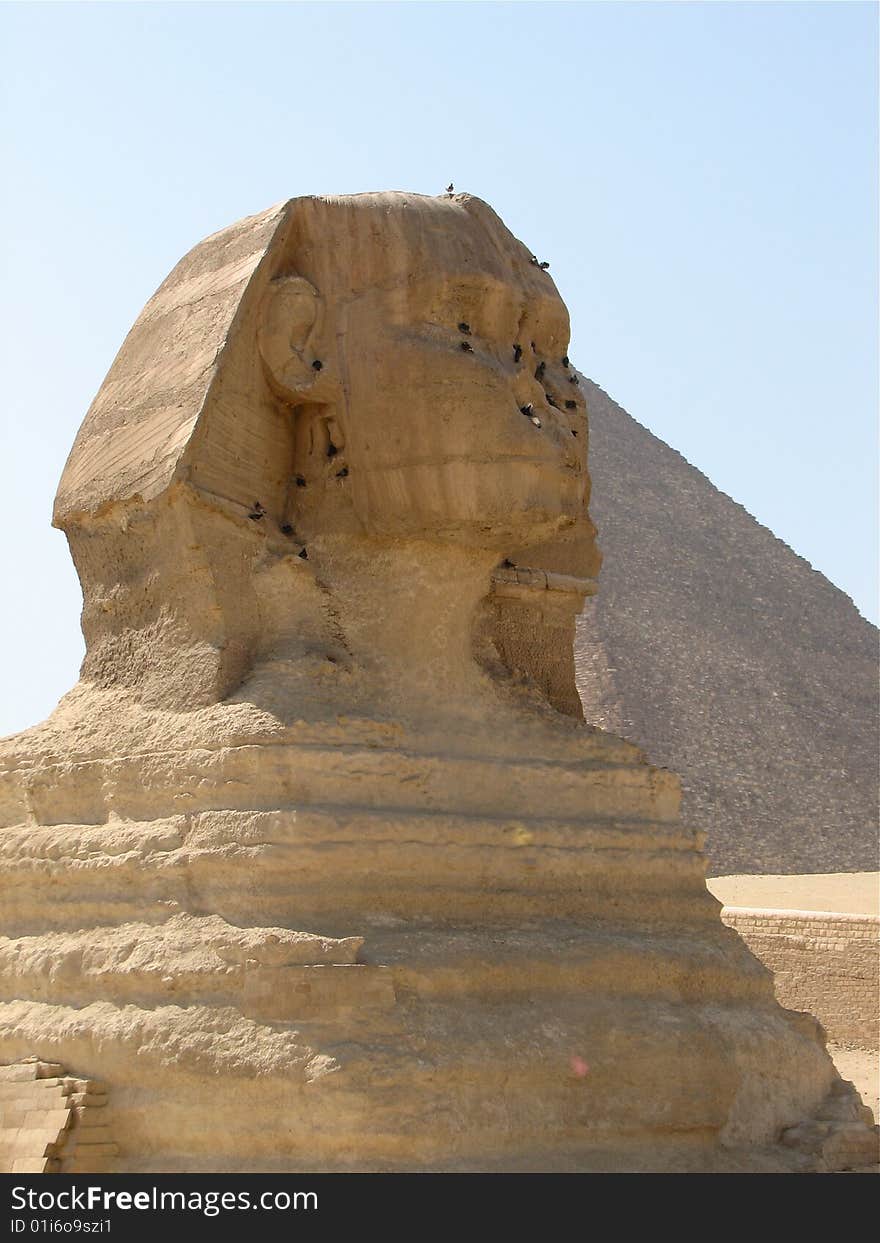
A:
(318, 866)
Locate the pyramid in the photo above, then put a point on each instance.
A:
(730, 660)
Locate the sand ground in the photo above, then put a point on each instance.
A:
(862, 1067)
(854, 893)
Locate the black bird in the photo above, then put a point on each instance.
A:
(302, 553)
(465, 328)
(317, 365)
(574, 431)
(551, 401)
(544, 266)
(534, 260)
(450, 188)
(467, 347)
(287, 529)
(255, 517)
(572, 379)
(300, 482)
(526, 409)
(342, 474)
(539, 371)
(565, 362)
(258, 507)
(332, 450)
(571, 405)
(517, 353)
(257, 512)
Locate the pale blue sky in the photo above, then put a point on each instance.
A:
(701, 176)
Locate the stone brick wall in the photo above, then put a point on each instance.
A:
(823, 962)
(52, 1123)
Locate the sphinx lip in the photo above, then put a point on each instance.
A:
(553, 457)
(519, 580)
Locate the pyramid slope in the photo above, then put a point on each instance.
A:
(730, 660)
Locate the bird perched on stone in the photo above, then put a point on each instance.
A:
(450, 188)
(544, 265)
(572, 379)
(317, 365)
(565, 361)
(467, 347)
(257, 512)
(539, 371)
(463, 327)
(526, 409)
(302, 553)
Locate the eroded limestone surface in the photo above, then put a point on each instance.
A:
(318, 866)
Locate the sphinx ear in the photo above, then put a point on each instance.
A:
(288, 335)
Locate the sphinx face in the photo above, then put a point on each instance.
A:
(442, 406)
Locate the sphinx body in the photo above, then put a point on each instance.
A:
(318, 866)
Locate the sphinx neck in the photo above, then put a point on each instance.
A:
(406, 610)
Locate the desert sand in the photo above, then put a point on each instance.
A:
(852, 893)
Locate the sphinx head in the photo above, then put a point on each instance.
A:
(419, 353)
(381, 367)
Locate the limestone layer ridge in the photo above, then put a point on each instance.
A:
(522, 952)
